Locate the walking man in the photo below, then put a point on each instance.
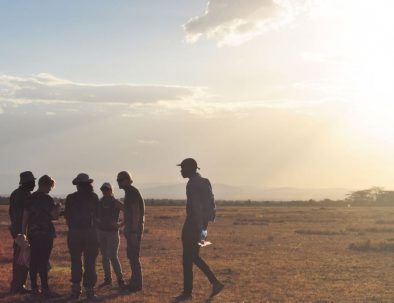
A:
(134, 218)
(81, 215)
(18, 201)
(192, 231)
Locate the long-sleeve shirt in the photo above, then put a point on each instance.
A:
(131, 221)
(194, 204)
(18, 201)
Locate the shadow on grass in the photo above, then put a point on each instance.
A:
(59, 298)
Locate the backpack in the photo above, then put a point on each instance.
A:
(208, 205)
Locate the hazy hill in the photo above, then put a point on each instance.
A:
(227, 192)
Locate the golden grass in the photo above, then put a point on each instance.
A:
(294, 255)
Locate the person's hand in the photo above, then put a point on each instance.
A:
(203, 234)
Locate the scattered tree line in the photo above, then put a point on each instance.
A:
(374, 196)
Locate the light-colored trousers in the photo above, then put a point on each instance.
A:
(109, 247)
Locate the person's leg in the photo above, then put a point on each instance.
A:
(104, 243)
(203, 266)
(90, 253)
(113, 248)
(46, 248)
(34, 262)
(133, 253)
(19, 272)
(187, 260)
(75, 248)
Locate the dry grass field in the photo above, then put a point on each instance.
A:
(262, 254)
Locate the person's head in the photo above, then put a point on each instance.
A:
(106, 189)
(27, 180)
(124, 179)
(83, 182)
(45, 184)
(188, 167)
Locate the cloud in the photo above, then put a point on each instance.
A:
(48, 88)
(148, 142)
(233, 22)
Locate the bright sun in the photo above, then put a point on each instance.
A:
(365, 33)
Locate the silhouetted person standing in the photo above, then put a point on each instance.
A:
(81, 214)
(108, 234)
(37, 225)
(192, 231)
(134, 217)
(18, 200)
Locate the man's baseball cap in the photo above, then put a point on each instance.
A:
(26, 177)
(189, 163)
(106, 185)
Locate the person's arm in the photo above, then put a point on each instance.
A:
(25, 219)
(10, 209)
(67, 210)
(96, 209)
(11, 212)
(119, 205)
(135, 211)
(55, 213)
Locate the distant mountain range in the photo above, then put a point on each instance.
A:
(227, 192)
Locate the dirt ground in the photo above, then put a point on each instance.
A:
(261, 254)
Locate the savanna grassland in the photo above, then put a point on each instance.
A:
(262, 254)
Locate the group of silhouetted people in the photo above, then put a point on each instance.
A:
(93, 225)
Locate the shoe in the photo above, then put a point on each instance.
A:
(134, 288)
(75, 292)
(90, 293)
(47, 293)
(105, 283)
(216, 289)
(184, 296)
(35, 291)
(74, 296)
(121, 284)
(22, 290)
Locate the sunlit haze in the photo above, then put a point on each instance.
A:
(263, 93)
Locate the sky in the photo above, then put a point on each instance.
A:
(263, 93)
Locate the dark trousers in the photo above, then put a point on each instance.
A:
(40, 251)
(83, 242)
(191, 254)
(133, 254)
(19, 272)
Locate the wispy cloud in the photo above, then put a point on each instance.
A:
(233, 22)
(148, 142)
(48, 88)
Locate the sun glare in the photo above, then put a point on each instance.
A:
(369, 71)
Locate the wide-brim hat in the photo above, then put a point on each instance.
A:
(26, 177)
(82, 178)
